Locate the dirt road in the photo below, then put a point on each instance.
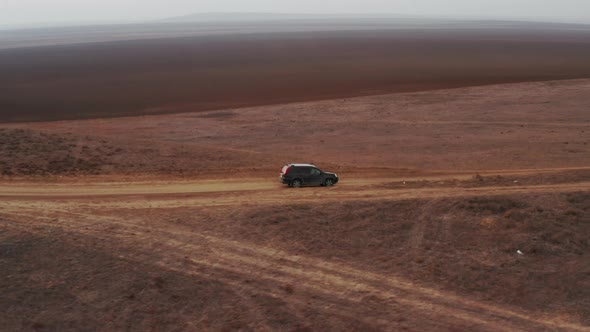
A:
(244, 191)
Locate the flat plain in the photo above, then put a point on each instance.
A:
(212, 70)
(150, 201)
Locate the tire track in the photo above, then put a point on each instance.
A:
(339, 287)
(315, 276)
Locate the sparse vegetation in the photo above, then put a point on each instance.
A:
(453, 214)
(560, 176)
(31, 153)
(216, 265)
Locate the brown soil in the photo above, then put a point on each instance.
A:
(457, 210)
(150, 256)
(513, 126)
(512, 179)
(33, 153)
(171, 75)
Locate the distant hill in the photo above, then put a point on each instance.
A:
(253, 17)
(209, 17)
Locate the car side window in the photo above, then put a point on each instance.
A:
(315, 171)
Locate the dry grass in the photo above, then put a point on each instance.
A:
(245, 254)
(467, 245)
(32, 153)
(35, 153)
(262, 264)
(549, 177)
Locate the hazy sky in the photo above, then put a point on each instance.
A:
(49, 11)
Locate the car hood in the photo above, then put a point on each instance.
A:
(332, 174)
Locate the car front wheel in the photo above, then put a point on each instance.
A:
(329, 183)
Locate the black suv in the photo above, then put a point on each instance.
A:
(297, 175)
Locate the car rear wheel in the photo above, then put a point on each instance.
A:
(329, 183)
(296, 183)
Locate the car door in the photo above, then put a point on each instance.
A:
(315, 176)
(304, 173)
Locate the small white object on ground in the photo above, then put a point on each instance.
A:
(519, 252)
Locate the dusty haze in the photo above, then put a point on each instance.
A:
(18, 12)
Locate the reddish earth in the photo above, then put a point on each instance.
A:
(206, 72)
(510, 126)
(249, 255)
(176, 222)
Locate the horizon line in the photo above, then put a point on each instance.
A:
(170, 19)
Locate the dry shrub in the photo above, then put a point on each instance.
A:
(289, 289)
(493, 205)
(32, 153)
(488, 222)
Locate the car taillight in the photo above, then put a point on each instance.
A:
(286, 169)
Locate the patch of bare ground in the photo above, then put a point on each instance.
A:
(501, 127)
(477, 180)
(52, 284)
(422, 264)
(32, 153)
(233, 250)
(203, 73)
(466, 245)
(29, 153)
